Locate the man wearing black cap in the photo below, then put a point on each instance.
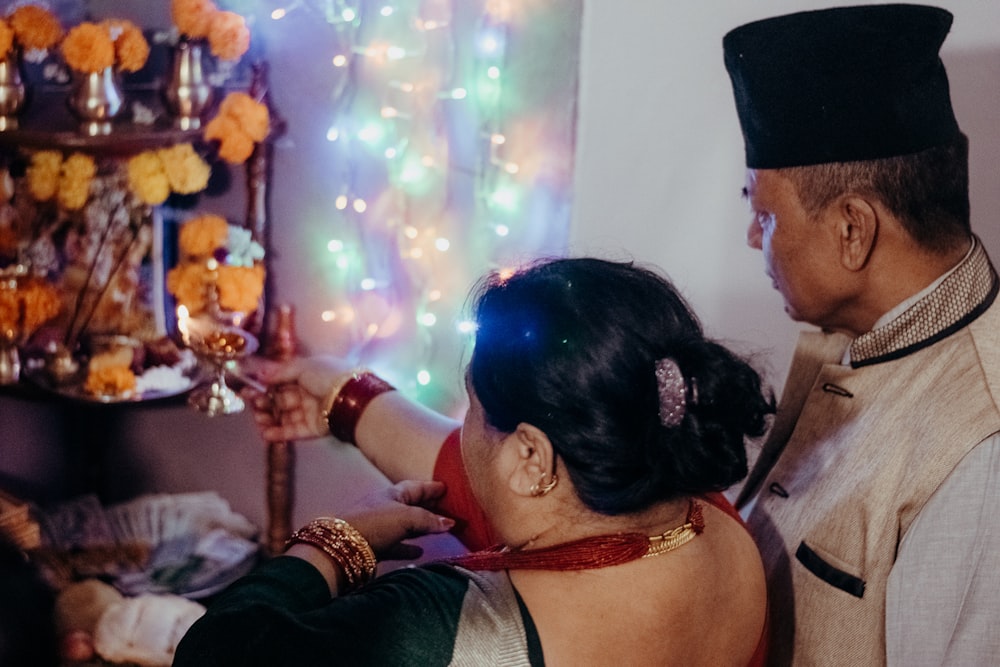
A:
(875, 499)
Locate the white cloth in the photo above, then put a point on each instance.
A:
(943, 596)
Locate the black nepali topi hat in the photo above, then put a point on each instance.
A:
(841, 84)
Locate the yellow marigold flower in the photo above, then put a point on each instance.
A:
(35, 27)
(250, 115)
(131, 47)
(88, 48)
(43, 174)
(193, 17)
(187, 283)
(74, 181)
(228, 35)
(147, 178)
(240, 287)
(202, 235)
(6, 38)
(185, 170)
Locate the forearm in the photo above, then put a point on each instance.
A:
(401, 437)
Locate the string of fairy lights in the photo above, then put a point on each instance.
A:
(428, 192)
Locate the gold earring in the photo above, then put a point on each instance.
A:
(538, 490)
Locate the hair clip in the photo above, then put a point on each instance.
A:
(672, 392)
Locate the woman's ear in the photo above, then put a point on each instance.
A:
(534, 460)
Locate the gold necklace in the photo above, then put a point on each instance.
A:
(679, 536)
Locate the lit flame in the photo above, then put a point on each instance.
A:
(182, 323)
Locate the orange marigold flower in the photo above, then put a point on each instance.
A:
(35, 27)
(235, 146)
(251, 116)
(241, 122)
(240, 287)
(193, 17)
(110, 381)
(6, 38)
(43, 174)
(88, 48)
(187, 283)
(41, 304)
(185, 170)
(228, 35)
(131, 47)
(201, 235)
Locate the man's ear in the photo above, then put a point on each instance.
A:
(857, 230)
(534, 459)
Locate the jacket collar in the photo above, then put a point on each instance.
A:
(960, 298)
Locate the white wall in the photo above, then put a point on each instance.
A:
(659, 162)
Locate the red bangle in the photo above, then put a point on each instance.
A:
(350, 403)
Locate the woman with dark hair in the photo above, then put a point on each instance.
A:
(601, 427)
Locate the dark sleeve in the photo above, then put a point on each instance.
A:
(471, 525)
(282, 614)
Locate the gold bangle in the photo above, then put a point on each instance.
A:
(343, 545)
(338, 386)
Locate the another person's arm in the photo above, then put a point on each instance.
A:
(942, 606)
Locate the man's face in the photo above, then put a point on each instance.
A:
(801, 253)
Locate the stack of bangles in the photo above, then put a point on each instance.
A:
(343, 545)
(348, 400)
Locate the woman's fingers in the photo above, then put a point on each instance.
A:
(414, 492)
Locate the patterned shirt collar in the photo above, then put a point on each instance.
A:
(955, 300)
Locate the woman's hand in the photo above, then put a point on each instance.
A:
(388, 516)
(292, 407)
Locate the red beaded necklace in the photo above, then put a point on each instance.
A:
(586, 553)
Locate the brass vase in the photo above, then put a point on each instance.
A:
(187, 92)
(96, 99)
(13, 94)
